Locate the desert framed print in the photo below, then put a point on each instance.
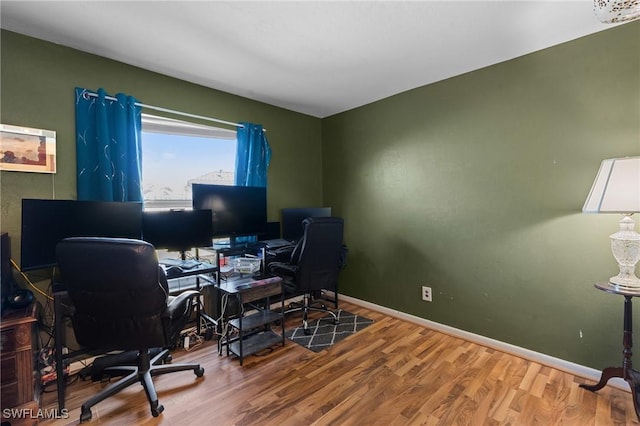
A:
(24, 149)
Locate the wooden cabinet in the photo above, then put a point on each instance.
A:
(17, 370)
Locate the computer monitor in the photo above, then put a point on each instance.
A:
(292, 218)
(273, 231)
(236, 210)
(46, 222)
(177, 230)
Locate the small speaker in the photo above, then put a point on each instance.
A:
(20, 298)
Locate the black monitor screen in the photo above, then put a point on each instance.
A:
(237, 210)
(178, 230)
(47, 222)
(292, 218)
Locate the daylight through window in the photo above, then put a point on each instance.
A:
(177, 154)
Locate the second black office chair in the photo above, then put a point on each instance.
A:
(314, 266)
(121, 302)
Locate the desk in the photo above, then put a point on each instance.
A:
(61, 300)
(625, 372)
(254, 331)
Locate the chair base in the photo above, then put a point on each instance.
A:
(142, 373)
(96, 370)
(307, 305)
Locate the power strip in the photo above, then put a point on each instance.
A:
(190, 338)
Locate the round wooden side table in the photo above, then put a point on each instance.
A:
(625, 372)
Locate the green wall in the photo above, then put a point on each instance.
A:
(37, 88)
(474, 186)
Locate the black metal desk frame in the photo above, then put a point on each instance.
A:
(254, 331)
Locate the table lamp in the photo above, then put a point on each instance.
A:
(617, 190)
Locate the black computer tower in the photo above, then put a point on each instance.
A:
(6, 280)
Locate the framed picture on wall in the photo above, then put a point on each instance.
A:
(24, 149)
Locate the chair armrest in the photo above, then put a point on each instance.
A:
(283, 269)
(180, 305)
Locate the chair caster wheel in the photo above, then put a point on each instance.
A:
(85, 415)
(307, 331)
(199, 372)
(157, 410)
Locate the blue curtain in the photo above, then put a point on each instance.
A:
(108, 147)
(252, 161)
(252, 156)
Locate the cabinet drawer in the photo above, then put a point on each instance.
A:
(261, 292)
(8, 340)
(9, 394)
(8, 368)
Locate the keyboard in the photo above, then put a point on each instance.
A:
(184, 264)
(277, 243)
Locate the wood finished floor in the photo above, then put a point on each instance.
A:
(391, 373)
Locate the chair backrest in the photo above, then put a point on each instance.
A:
(117, 290)
(318, 254)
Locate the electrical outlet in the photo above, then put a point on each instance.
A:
(426, 293)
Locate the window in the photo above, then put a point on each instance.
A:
(176, 154)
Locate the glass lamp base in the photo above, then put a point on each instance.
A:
(625, 245)
(630, 282)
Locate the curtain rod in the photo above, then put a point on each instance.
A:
(185, 114)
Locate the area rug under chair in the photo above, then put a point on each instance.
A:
(325, 333)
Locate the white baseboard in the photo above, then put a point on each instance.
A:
(550, 361)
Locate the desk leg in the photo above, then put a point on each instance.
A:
(59, 339)
(198, 308)
(625, 372)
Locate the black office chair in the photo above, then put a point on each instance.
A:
(121, 302)
(314, 266)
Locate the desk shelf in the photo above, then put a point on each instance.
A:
(259, 319)
(255, 343)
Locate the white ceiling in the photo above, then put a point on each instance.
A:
(315, 57)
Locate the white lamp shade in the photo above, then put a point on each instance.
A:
(616, 188)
